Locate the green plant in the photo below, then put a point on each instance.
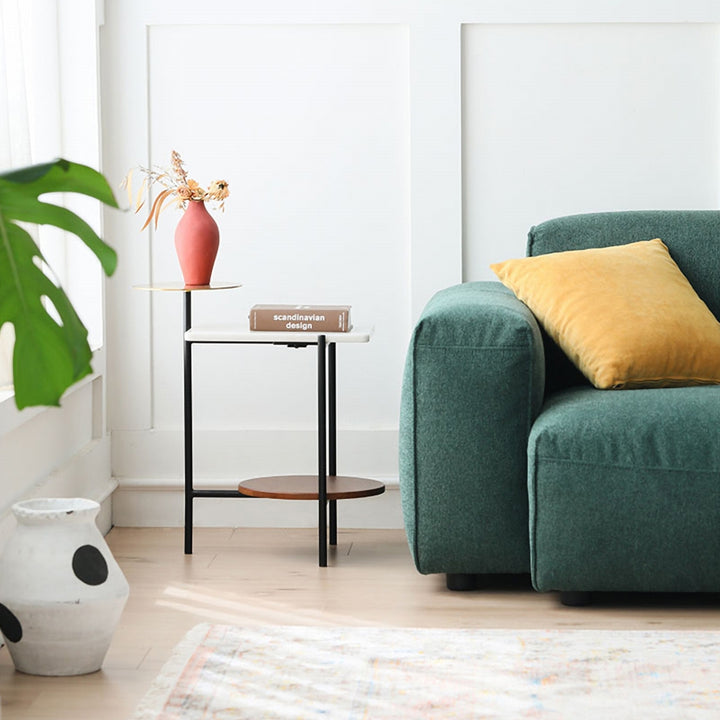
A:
(49, 356)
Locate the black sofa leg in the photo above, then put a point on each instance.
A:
(573, 598)
(462, 581)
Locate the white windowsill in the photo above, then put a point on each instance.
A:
(11, 418)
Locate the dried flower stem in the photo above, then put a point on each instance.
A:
(175, 183)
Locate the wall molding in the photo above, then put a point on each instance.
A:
(238, 454)
(149, 474)
(145, 503)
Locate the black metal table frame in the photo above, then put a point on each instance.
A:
(327, 431)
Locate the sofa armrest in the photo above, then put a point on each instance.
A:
(472, 387)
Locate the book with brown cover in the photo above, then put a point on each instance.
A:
(300, 318)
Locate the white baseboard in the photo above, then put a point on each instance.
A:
(152, 503)
(86, 474)
(148, 466)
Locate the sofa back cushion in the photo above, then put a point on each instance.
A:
(692, 236)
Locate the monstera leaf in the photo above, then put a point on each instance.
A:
(49, 356)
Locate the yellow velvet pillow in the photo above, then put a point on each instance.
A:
(625, 315)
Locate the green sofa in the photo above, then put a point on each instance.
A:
(511, 462)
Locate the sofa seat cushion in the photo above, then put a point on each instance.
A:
(624, 490)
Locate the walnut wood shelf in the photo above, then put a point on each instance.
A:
(305, 487)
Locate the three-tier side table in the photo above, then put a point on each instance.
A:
(326, 487)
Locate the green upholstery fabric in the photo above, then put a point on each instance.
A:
(625, 490)
(623, 486)
(471, 390)
(692, 236)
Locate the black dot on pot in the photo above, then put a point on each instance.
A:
(89, 565)
(10, 625)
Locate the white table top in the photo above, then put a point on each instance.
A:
(241, 333)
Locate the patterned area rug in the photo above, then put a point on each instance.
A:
(224, 672)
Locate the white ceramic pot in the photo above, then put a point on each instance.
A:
(61, 591)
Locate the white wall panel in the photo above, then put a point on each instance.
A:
(309, 124)
(569, 118)
(377, 152)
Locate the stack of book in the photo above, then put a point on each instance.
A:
(300, 318)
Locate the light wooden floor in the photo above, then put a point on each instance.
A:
(269, 577)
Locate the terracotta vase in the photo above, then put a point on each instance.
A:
(196, 241)
(61, 590)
